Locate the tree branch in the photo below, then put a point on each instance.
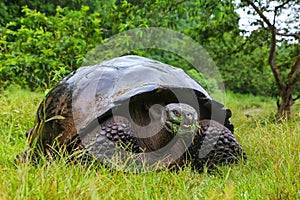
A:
(260, 13)
(272, 55)
(277, 8)
(272, 63)
(295, 99)
(294, 74)
(296, 36)
(281, 5)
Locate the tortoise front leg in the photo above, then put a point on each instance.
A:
(214, 144)
(110, 139)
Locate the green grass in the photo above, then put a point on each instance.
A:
(271, 171)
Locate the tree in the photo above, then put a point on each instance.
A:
(280, 33)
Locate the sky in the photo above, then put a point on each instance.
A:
(246, 19)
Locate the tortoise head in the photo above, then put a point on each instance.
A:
(179, 118)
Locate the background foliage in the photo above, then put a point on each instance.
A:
(36, 49)
(42, 41)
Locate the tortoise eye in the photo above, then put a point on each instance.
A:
(176, 113)
(190, 116)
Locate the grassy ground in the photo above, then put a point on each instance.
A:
(271, 172)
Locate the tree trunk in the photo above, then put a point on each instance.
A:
(284, 106)
(286, 91)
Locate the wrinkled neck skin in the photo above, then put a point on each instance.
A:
(158, 128)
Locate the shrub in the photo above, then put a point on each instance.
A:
(45, 48)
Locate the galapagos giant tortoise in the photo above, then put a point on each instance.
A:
(138, 106)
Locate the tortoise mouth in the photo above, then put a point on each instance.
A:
(188, 126)
(177, 127)
(170, 126)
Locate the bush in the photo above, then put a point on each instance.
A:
(45, 48)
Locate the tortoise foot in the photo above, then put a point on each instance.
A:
(215, 145)
(110, 137)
